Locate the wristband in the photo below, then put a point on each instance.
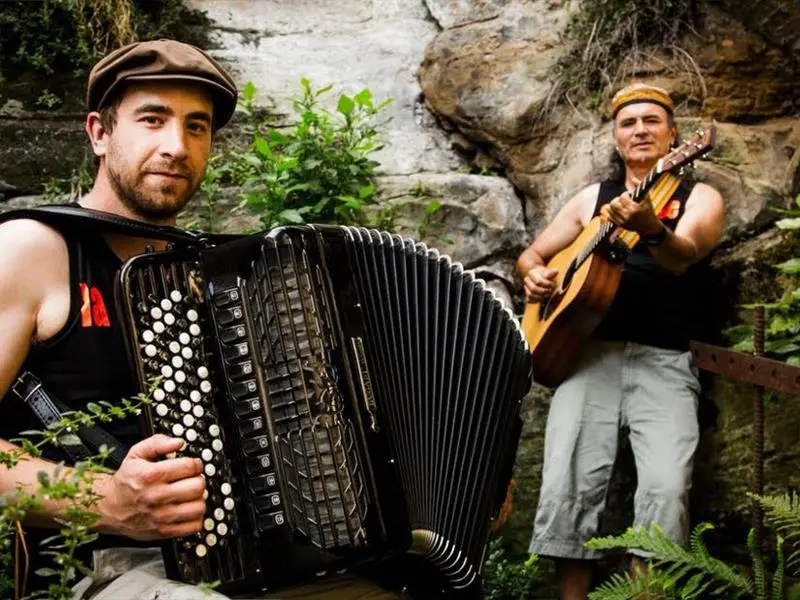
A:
(655, 239)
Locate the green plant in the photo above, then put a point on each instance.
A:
(55, 37)
(430, 210)
(675, 572)
(207, 220)
(73, 486)
(48, 99)
(73, 187)
(505, 579)
(613, 39)
(782, 331)
(319, 169)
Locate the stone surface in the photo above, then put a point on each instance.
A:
(454, 13)
(350, 44)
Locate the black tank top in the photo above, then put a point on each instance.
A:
(85, 362)
(654, 306)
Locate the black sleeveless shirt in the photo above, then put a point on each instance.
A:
(654, 306)
(85, 362)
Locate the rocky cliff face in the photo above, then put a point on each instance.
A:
(470, 80)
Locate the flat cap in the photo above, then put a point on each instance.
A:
(161, 60)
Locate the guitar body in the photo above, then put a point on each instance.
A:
(557, 328)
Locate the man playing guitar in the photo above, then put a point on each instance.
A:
(636, 370)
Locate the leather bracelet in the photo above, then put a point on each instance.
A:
(656, 239)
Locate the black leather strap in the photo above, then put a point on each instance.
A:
(49, 410)
(76, 215)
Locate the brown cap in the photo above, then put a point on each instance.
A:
(161, 60)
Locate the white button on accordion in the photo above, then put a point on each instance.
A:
(353, 396)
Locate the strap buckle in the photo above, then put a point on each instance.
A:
(26, 385)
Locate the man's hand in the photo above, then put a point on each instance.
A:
(151, 499)
(539, 283)
(633, 216)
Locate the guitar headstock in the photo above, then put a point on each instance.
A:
(699, 144)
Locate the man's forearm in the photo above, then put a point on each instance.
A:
(675, 253)
(25, 476)
(528, 260)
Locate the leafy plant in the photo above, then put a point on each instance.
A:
(782, 331)
(76, 185)
(612, 39)
(67, 36)
(70, 485)
(675, 572)
(320, 169)
(505, 579)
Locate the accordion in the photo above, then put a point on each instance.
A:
(353, 395)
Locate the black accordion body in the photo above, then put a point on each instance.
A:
(353, 395)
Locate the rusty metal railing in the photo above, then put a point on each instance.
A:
(763, 374)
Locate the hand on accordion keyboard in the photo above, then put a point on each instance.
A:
(150, 496)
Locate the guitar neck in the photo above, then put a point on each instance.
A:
(609, 229)
(660, 194)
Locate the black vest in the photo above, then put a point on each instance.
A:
(654, 306)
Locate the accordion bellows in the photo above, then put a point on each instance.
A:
(354, 395)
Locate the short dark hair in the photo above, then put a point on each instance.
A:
(108, 114)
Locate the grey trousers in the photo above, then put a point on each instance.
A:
(138, 574)
(654, 393)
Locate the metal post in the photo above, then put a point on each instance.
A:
(758, 432)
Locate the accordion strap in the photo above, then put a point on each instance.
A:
(60, 215)
(49, 410)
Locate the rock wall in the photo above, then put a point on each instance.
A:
(469, 79)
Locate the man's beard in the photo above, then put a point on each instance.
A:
(143, 205)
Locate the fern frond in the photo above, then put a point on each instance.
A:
(783, 514)
(624, 587)
(777, 578)
(671, 558)
(758, 566)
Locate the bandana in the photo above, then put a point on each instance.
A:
(641, 92)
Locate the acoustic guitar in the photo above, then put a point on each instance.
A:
(590, 268)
